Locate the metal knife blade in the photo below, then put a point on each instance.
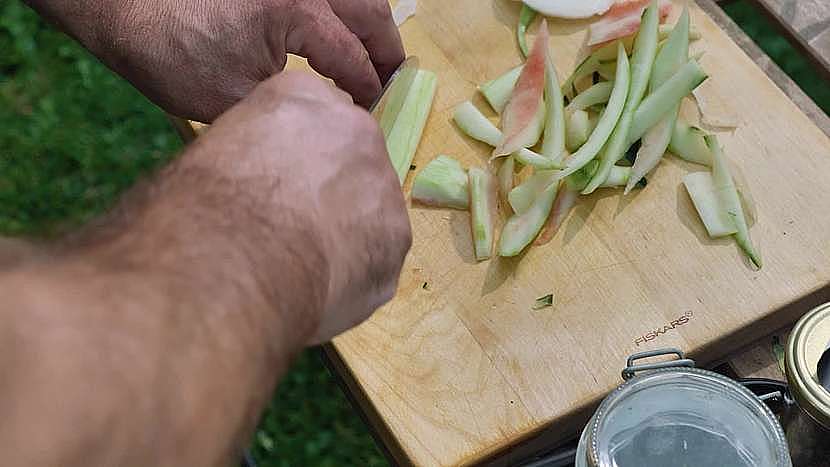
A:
(388, 105)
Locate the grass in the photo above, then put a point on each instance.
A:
(73, 136)
(311, 423)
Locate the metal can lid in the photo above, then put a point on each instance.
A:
(673, 414)
(809, 339)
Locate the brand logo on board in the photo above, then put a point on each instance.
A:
(657, 332)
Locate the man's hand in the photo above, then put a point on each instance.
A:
(156, 336)
(327, 166)
(197, 58)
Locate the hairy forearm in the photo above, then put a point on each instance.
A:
(156, 336)
(187, 57)
(88, 21)
(129, 36)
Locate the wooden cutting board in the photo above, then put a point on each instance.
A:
(459, 368)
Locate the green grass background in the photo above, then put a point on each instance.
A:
(73, 136)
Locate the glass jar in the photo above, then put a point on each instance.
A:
(808, 424)
(670, 413)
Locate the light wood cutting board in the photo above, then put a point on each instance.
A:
(459, 368)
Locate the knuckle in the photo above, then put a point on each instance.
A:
(380, 10)
(367, 123)
(296, 86)
(267, 91)
(406, 235)
(366, 128)
(302, 8)
(387, 293)
(400, 229)
(354, 56)
(293, 79)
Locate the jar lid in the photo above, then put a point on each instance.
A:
(684, 416)
(808, 341)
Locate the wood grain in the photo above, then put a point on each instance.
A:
(463, 369)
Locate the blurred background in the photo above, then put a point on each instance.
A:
(73, 136)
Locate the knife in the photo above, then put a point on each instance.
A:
(388, 105)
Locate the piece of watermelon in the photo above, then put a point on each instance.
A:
(622, 20)
(523, 117)
(565, 201)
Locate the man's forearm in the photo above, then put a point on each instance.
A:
(87, 21)
(155, 337)
(154, 330)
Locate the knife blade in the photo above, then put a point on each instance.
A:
(388, 105)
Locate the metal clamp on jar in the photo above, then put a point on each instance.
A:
(672, 414)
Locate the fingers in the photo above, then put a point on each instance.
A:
(371, 21)
(333, 50)
(304, 84)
